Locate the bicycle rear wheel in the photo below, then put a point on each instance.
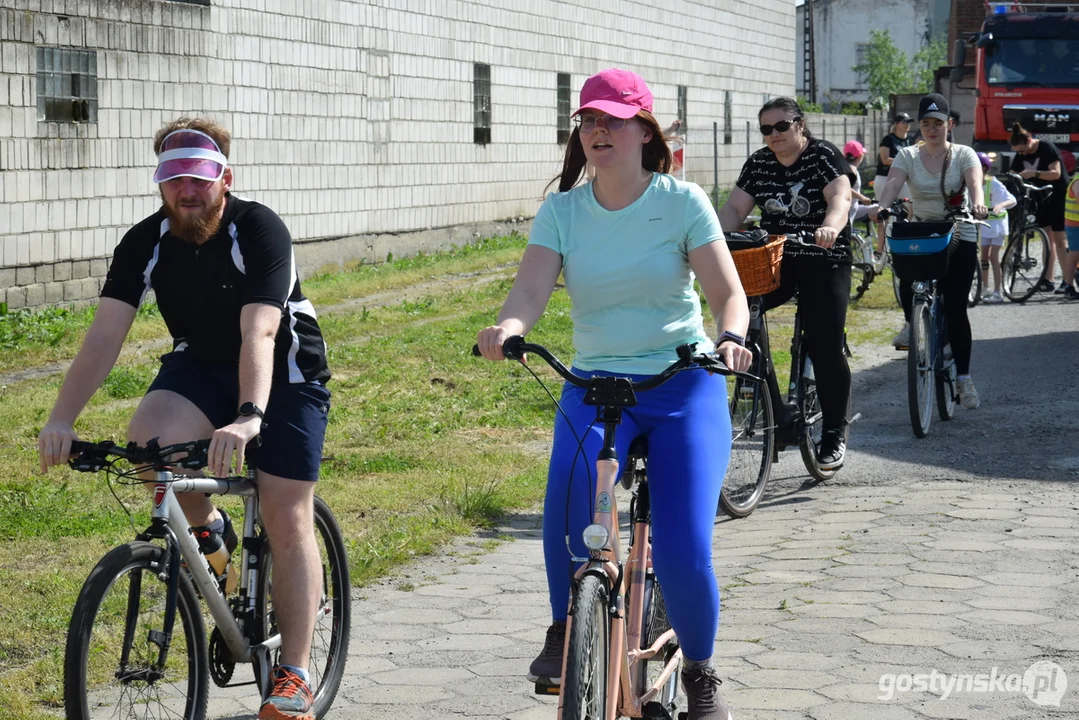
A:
(975, 295)
(752, 447)
(861, 277)
(654, 623)
(1023, 264)
(111, 660)
(329, 643)
(920, 369)
(813, 417)
(584, 692)
(945, 386)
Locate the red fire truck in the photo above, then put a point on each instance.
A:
(1027, 71)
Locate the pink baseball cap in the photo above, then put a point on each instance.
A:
(190, 153)
(620, 93)
(854, 148)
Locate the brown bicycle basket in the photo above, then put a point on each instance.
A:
(758, 267)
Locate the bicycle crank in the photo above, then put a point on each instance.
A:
(221, 662)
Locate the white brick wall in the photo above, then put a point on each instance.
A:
(351, 117)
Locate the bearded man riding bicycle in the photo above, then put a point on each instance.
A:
(248, 359)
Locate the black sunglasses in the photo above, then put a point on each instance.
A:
(782, 126)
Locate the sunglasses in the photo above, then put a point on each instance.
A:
(782, 126)
(588, 123)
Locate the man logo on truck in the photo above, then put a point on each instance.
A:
(1052, 120)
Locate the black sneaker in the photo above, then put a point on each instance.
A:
(547, 668)
(1062, 288)
(833, 449)
(1044, 286)
(1070, 293)
(703, 698)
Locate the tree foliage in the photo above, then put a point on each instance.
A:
(887, 69)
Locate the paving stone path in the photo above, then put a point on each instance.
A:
(923, 564)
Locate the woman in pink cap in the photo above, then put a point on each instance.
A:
(629, 244)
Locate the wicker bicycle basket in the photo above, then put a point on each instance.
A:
(758, 267)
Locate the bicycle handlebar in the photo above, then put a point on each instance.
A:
(92, 457)
(515, 347)
(1028, 186)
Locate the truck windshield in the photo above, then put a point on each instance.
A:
(1041, 62)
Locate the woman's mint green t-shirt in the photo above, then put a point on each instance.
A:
(627, 272)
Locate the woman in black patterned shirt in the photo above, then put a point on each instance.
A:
(801, 183)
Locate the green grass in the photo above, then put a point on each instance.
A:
(425, 443)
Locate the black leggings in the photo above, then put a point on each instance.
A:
(823, 293)
(955, 289)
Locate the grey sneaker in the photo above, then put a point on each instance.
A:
(968, 396)
(548, 666)
(902, 340)
(993, 298)
(702, 695)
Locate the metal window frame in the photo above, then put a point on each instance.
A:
(563, 106)
(66, 85)
(481, 103)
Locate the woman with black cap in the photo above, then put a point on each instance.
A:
(898, 137)
(943, 178)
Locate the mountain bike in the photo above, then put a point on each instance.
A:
(136, 644)
(622, 658)
(1026, 254)
(763, 419)
(920, 253)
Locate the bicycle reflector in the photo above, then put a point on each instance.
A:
(595, 537)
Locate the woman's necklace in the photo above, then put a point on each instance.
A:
(936, 157)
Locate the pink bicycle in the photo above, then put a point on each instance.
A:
(622, 657)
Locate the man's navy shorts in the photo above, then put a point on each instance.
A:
(292, 431)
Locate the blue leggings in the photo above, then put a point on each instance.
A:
(689, 444)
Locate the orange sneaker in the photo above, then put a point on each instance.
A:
(290, 699)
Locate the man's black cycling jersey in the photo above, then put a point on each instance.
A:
(200, 289)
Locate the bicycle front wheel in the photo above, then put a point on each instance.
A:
(920, 369)
(584, 692)
(111, 663)
(1023, 264)
(752, 447)
(329, 642)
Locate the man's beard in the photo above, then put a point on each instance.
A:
(194, 229)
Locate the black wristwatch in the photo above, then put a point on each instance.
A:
(733, 337)
(249, 408)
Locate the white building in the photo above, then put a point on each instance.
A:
(352, 119)
(841, 30)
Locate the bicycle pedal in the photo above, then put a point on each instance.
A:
(546, 689)
(856, 418)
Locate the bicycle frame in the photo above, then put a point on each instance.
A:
(623, 666)
(788, 416)
(168, 522)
